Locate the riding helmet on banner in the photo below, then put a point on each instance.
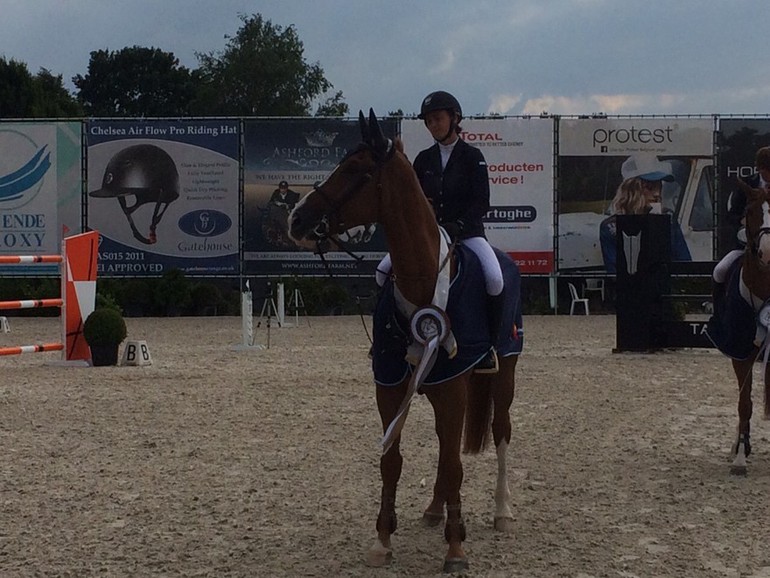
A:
(440, 100)
(149, 174)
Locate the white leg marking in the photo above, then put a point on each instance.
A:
(502, 492)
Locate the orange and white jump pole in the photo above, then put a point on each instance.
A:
(77, 266)
(19, 349)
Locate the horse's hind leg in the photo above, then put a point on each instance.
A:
(766, 412)
(388, 402)
(503, 386)
(742, 446)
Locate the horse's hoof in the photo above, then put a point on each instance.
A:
(504, 524)
(738, 470)
(379, 556)
(455, 565)
(432, 519)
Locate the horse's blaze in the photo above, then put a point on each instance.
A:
(300, 228)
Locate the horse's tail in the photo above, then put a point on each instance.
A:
(478, 414)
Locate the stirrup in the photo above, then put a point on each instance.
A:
(488, 363)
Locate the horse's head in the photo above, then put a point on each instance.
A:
(757, 221)
(350, 194)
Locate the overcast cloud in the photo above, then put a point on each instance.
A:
(497, 56)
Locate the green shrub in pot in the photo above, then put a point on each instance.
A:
(104, 331)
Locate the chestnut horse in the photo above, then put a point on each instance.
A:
(740, 330)
(375, 183)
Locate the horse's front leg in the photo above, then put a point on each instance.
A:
(503, 386)
(448, 401)
(388, 402)
(742, 446)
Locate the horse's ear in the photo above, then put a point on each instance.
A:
(380, 143)
(365, 136)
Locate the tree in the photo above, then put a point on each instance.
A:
(25, 96)
(262, 72)
(16, 89)
(136, 82)
(333, 106)
(53, 99)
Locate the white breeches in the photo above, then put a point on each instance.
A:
(720, 271)
(490, 266)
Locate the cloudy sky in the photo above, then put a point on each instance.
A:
(497, 56)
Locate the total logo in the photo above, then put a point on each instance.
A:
(205, 223)
(481, 136)
(22, 169)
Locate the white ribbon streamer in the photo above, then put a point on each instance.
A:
(429, 354)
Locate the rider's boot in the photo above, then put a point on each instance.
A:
(489, 363)
(718, 297)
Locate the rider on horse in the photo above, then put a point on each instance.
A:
(453, 176)
(736, 210)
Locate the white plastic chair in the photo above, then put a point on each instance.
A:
(591, 284)
(576, 299)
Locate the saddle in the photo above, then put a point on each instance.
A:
(466, 308)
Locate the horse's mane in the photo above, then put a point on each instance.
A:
(412, 176)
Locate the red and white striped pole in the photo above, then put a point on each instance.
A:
(29, 259)
(19, 349)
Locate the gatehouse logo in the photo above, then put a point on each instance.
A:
(205, 223)
(22, 172)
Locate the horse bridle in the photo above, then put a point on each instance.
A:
(322, 230)
(754, 240)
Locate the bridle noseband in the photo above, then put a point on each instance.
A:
(753, 241)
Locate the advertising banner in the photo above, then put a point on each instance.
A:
(519, 155)
(40, 193)
(633, 166)
(164, 195)
(739, 140)
(283, 160)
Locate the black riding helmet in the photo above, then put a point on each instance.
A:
(148, 174)
(440, 100)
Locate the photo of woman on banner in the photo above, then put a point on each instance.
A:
(640, 193)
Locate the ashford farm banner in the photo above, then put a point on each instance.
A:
(592, 153)
(164, 195)
(283, 160)
(519, 155)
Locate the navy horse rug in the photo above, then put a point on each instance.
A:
(467, 311)
(733, 328)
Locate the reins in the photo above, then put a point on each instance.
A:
(322, 230)
(350, 191)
